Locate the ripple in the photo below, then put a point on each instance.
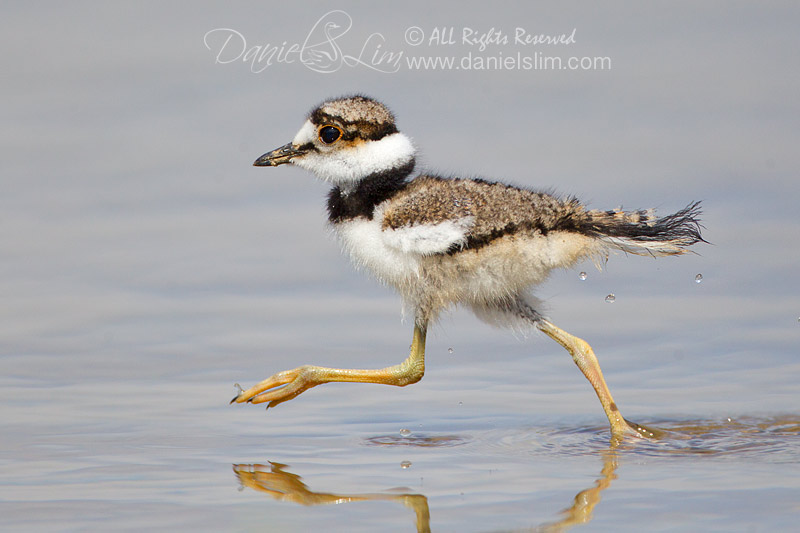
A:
(770, 439)
(572, 441)
(420, 441)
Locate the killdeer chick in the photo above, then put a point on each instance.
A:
(442, 242)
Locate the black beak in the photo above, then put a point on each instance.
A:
(278, 156)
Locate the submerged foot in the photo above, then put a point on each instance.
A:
(643, 431)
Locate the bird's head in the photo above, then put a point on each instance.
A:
(344, 141)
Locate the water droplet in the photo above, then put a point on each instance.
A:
(405, 432)
(450, 350)
(460, 403)
(698, 278)
(239, 389)
(582, 276)
(405, 464)
(610, 299)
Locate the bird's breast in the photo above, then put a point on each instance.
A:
(365, 242)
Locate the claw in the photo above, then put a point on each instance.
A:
(239, 390)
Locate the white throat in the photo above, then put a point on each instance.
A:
(345, 167)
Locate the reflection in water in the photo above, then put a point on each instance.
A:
(286, 486)
(581, 510)
(766, 439)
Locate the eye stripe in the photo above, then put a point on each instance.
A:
(308, 147)
(364, 129)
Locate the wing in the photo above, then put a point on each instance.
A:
(435, 215)
(428, 218)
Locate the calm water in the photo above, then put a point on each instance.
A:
(466, 451)
(146, 267)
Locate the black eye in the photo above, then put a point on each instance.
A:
(329, 134)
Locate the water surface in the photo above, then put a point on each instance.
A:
(146, 267)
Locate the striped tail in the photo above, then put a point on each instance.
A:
(643, 233)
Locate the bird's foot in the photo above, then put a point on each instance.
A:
(280, 387)
(644, 431)
(632, 431)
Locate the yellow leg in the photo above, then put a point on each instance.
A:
(286, 385)
(584, 357)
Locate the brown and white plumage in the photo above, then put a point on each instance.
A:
(442, 242)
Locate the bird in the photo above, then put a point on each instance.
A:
(448, 241)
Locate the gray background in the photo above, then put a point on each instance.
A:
(145, 266)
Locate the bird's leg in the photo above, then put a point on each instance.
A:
(584, 357)
(286, 385)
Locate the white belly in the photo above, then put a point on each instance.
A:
(507, 267)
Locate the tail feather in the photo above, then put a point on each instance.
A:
(643, 233)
